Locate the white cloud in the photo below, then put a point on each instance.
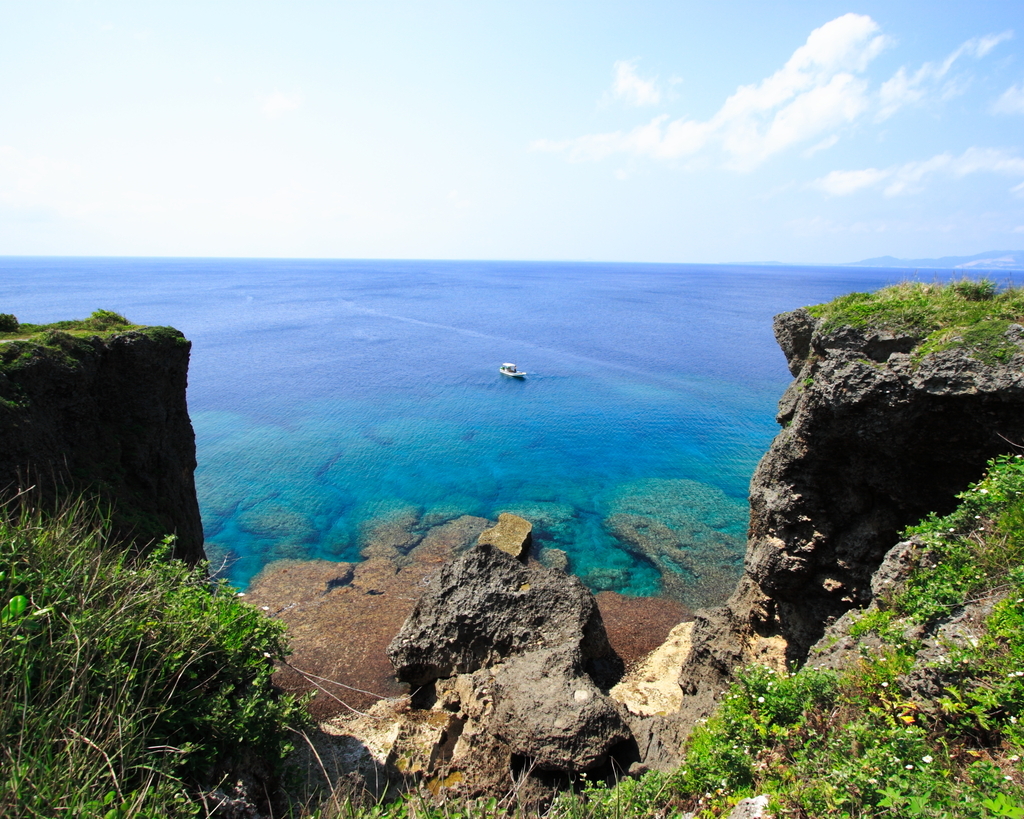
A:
(909, 177)
(814, 93)
(981, 46)
(898, 91)
(278, 103)
(1011, 102)
(630, 88)
(824, 145)
(841, 183)
(904, 89)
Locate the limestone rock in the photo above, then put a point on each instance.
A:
(485, 606)
(105, 416)
(507, 650)
(652, 687)
(549, 710)
(872, 441)
(793, 331)
(512, 534)
(932, 671)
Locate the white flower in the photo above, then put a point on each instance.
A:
(760, 699)
(927, 760)
(885, 685)
(909, 767)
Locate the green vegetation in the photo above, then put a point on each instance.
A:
(126, 685)
(968, 313)
(857, 744)
(101, 321)
(860, 743)
(129, 686)
(64, 342)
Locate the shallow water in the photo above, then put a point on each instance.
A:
(329, 397)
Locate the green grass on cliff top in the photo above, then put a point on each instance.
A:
(971, 313)
(22, 343)
(101, 321)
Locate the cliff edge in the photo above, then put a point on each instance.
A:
(99, 407)
(898, 401)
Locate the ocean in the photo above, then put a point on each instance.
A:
(333, 399)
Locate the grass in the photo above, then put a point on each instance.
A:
(819, 743)
(66, 341)
(101, 321)
(856, 744)
(126, 686)
(968, 313)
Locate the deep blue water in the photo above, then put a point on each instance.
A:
(328, 396)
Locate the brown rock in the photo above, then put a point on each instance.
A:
(512, 534)
(341, 617)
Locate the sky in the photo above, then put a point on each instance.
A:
(692, 132)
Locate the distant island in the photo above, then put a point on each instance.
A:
(989, 260)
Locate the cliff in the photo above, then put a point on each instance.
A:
(898, 401)
(98, 407)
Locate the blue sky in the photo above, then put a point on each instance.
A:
(659, 131)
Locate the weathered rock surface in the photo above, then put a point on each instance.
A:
(932, 670)
(507, 651)
(652, 687)
(341, 617)
(548, 709)
(512, 535)
(871, 442)
(107, 417)
(485, 607)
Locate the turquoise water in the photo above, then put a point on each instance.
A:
(329, 397)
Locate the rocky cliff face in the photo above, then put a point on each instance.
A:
(873, 440)
(106, 416)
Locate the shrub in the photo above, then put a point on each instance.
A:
(124, 684)
(974, 289)
(967, 313)
(8, 323)
(105, 320)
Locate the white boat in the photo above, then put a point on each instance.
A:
(510, 369)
